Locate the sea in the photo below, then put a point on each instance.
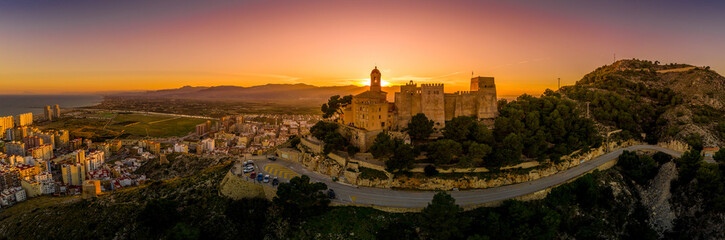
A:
(17, 104)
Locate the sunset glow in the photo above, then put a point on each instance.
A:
(143, 45)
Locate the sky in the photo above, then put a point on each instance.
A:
(74, 46)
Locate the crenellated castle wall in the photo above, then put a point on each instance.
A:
(430, 99)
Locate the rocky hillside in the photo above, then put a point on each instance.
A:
(179, 165)
(655, 102)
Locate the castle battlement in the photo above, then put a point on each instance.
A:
(463, 92)
(431, 85)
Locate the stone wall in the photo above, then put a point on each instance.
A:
(360, 138)
(473, 181)
(314, 145)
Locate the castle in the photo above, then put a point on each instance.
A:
(371, 111)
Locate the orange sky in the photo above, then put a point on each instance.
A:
(525, 45)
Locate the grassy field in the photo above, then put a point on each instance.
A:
(105, 125)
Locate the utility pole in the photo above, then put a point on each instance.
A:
(558, 84)
(587, 109)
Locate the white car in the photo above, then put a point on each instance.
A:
(248, 170)
(266, 178)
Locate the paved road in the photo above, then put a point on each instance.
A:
(418, 199)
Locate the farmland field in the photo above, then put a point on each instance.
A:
(106, 125)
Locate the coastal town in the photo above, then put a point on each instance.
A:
(36, 160)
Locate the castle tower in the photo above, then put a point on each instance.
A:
(375, 80)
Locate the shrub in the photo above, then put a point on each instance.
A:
(430, 170)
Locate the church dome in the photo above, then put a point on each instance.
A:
(375, 71)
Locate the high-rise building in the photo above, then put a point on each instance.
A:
(32, 141)
(94, 160)
(56, 111)
(61, 138)
(79, 156)
(5, 124)
(44, 152)
(207, 145)
(18, 133)
(15, 148)
(76, 144)
(24, 119)
(48, 113)
(73, 174)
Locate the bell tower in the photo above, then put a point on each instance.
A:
(375, 80)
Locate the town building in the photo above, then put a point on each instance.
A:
(5, 124)
(73, 174)
(207, 145)
(48, 113)
(15, 148)
(91, 189)
(56, 111)
(25, 119)
(180, 147)
(43, 152)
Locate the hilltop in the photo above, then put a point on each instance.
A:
(655, 102)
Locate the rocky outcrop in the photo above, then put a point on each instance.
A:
(656, 197)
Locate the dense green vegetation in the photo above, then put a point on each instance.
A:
(326, 132)
(639, 168)
(397, 155)
(419, 127)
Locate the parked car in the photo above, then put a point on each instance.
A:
(275, 181)
(260, 177)
(248, 169)
(331, 194)
(250, 162)
(272, 158)
(253, 175)
(266, 178)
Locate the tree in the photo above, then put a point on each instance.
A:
(294, 141)
(478, 150)
(430, 170)
(300, 198)
(322, 129)
(159, 215)
(720, 156)
(640, 169)
(352, 150)
(458, 129)
(326, 131)
(688, 164)
(183, 231)
(403, 158)
(695, 141)
(334, 105)
(334, 141)
(420, 127)
(510, 150)
(441, 219)
(443, 151)
(383, 146)
(250, 216)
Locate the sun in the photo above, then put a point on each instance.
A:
(366, 82)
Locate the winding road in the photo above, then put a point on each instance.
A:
(349, 194)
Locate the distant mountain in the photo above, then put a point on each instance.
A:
(656, 102)
(277, 93)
